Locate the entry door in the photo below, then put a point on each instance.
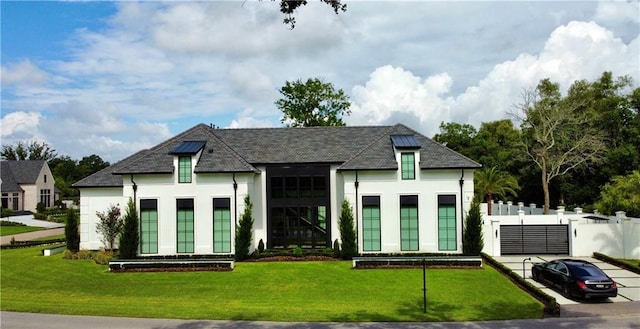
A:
(299, 226)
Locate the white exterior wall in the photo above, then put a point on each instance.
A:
(165, 188)
(428, 184)
(93, 200)
(618, 238)
(203, 189)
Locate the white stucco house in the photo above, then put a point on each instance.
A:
(409, 194)
(25, 183)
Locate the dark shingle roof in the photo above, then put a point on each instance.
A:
(15, 173)
(240, 150)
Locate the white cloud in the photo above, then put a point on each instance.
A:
(575, 51)
(393, 94)
(22, 73)
(159, 68)
(18, 126)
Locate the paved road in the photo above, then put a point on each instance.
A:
(11, 320)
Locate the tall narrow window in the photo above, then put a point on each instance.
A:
(149, 226)
(184, 169)
(409, 222)
(371, 223)
(447, 222)
(408, 166)
(185, 230)
(221, 225)
(45, 197)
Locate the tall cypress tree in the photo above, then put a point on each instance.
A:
(473, 241)
(347, 231)
(244, 231)
(129, 239)
(71, 232)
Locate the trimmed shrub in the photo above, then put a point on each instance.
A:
(128, 245)
(40, 207)
(347, 231)
(261, 246)
(71, 231)
(336, 248)
(244, 231)
(472, 240)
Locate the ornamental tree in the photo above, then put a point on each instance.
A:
(110, 226)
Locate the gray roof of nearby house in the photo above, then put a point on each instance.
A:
(240, 150)
(13, 173)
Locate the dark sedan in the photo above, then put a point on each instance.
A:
(575, 278)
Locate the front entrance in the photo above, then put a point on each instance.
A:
(298, 207)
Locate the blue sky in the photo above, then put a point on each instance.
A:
(113, 78)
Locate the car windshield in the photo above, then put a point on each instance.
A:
(585, 270)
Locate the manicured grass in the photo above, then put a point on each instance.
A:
(11, 230)
(630, 262)
(278, 291)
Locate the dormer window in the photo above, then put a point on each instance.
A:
(407, 164)
(185, 152)
(406, 145)
(184, 169)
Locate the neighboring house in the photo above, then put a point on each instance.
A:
(25, 183)
(408, 193)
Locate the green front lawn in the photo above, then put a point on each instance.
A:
(11, 230)
(278, 291)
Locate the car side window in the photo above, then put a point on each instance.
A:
(562, 269)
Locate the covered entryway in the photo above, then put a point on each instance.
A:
(534, 239)
(298, 201)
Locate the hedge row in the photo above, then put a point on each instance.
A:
(25, 244)
(551, 307)
(613, 261)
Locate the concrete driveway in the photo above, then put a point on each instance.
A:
(50, 229)
(628, 282)
(30, 221)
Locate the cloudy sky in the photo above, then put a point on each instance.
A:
(113, 78)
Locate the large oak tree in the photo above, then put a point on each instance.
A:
(559, 134)
(312, 103)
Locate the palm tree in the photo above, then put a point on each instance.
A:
(490, 182)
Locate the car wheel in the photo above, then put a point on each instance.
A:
(565, 290)
(534, 275)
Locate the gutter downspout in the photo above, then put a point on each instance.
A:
(461, 181)
(357, 184)
(235, 198)
(135, 190)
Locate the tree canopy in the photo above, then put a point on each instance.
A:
(609, 110)
(32, 151)
(288, 8)
(312, 103)
(559, 134)
(621, 194)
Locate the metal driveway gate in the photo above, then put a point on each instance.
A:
(534, 239)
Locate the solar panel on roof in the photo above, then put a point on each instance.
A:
(405, 142)
(188, 147)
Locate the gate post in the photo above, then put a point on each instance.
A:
(495, 237)
(573, 237)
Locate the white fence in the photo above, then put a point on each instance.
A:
(617, 237)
